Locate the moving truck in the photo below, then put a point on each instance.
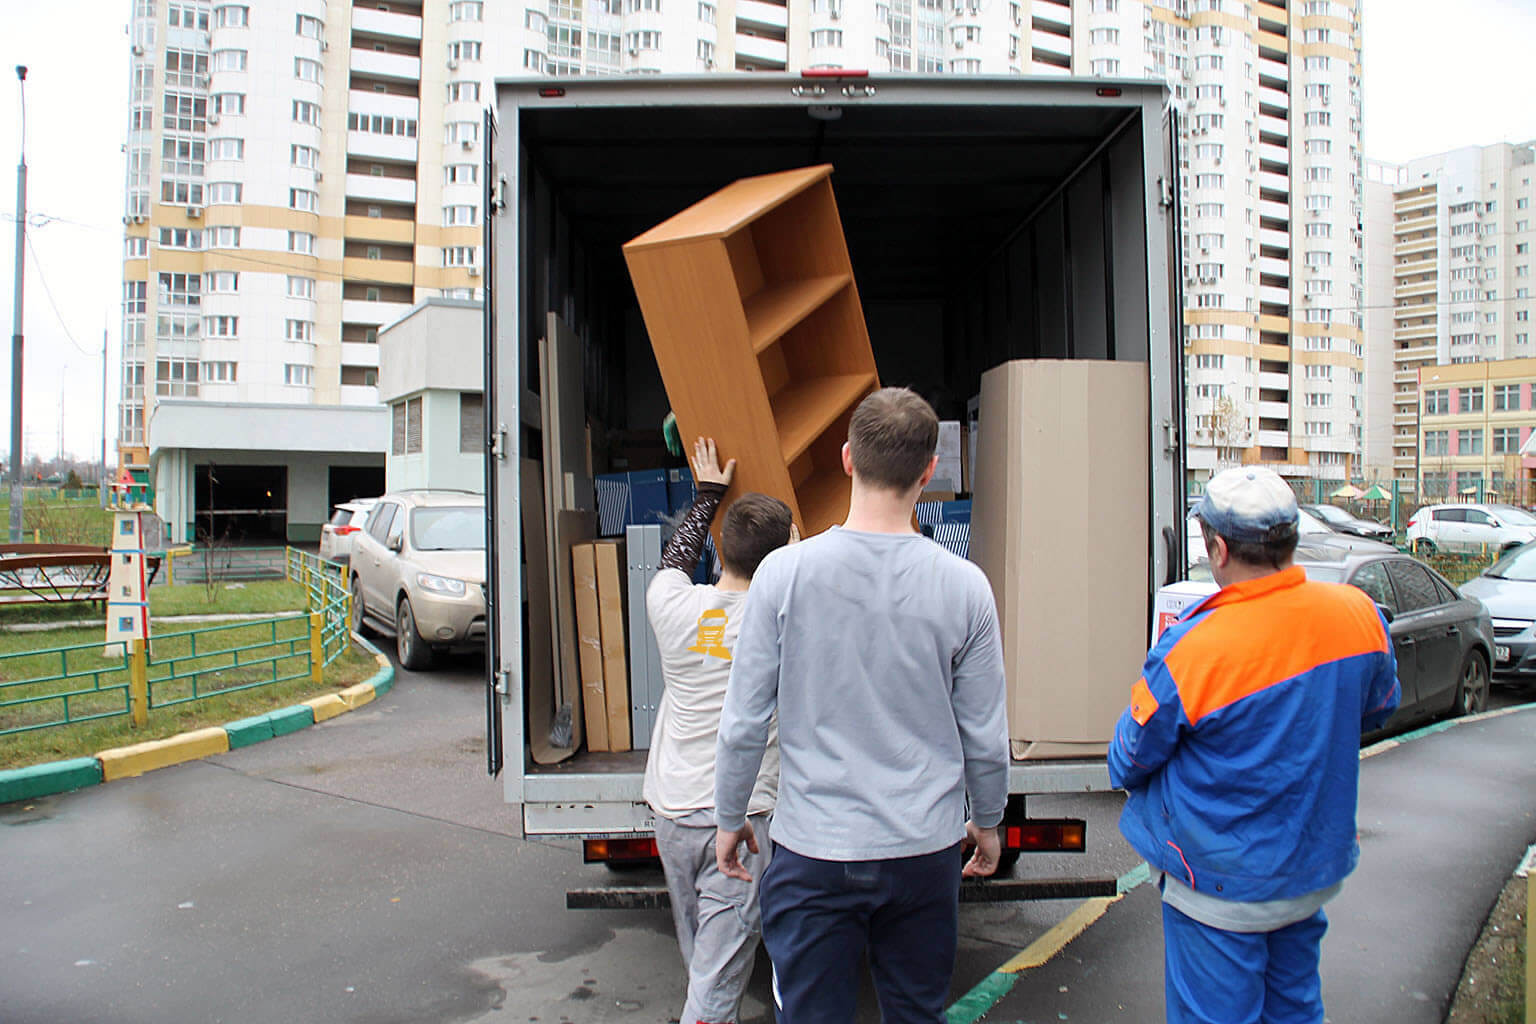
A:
(987, 220)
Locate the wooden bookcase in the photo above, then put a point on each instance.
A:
(755, 320)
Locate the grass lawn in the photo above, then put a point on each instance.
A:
(60, 521)
(100, 684)
(254, 597)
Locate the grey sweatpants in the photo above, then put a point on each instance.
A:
(718, 919)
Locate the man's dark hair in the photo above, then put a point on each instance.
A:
(892, 438)
(1272, 552)
(754, 526)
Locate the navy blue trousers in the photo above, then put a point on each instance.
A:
(820, 917)
(1220, 977)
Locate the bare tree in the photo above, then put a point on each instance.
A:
(1229, 431)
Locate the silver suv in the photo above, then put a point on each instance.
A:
(1470, 528)
(418, 571)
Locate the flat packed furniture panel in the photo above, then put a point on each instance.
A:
(749, 300)
(1060, 523)
(643, 547)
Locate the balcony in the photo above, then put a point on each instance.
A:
(1271, 265)
(1408, 291)
(1274, 239)
(1274, 182)
(1274, 154)
(754, 12)
(1413, 312)
(1275, 380)
(1270, 209)
(1276, 410)
(1413, 267)
(1274, 438)
(379, 229)
(1429, 244)
(1405, 419)
(362, 311)
(386, 23)
(760, 50)
(357, 394)
(373, 186)
(1404, 355)
(1278, 296)
(382, 147)
(1424, 223)
(357, 353)
(355, 268)
(1406, 204)
(368, 102)
(1274, 98)
(386, 65)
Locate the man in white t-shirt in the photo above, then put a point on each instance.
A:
(717, 917)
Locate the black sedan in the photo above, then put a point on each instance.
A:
(1443, 641)
(1343, 522)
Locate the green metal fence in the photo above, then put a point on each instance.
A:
(64, 685)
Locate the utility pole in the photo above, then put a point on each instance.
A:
(21, 242)
(101, 473)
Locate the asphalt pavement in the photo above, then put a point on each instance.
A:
(366, 870)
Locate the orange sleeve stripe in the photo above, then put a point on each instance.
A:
(1143, 704)
(1242, 648)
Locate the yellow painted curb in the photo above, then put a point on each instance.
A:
(358, 695)
(127, 762)
(1054, 941)
(326, 707)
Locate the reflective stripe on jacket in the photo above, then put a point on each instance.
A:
(1240, 749)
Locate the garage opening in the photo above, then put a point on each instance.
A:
(348, 483)
(245, 505)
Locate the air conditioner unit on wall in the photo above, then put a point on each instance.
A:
(194, 212)
(468, 144)
(474, 271)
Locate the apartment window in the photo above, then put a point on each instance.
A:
(461, 174)
(1103, 67)
(1104, 37)
(180, 289)
(301, 287)
(372, 294)
(1319, 428)
(226, 237)
(707, 13)
(1506, 397)
(1319, 400)
(303, 199)
(1320, 201)
(1469, 442)
(466, 49)
(229, 60)
(306, 70)
(301, 242)
(1523, 203)
(1210, 210)
(1523, 270)
(135, 296)
(1318, 118)
(229, 104)
(471, 422)
(534, 60)
(463, 92)
(221, 282)
(1210, 271)
(1522, 339)
(1209, 181)
(304, 156)
(1469, 400)
(226, 149)
(1506, 440)
(1437, 442)
(186, 16)
(1319, 229)
(1206, 242)
(135, 248)
(1209, 390)
(1318, 147)
(224, 192)
(306, 113)
(184, 113)
(637, 41)
(1318, 371)
(1437, 402)
(181, 238)
(231, 16)
(310, 28)
(457, 216)
(466, 10)
(175, 377)
(1209, 92)
(376, 124)
(1209, 361)
(462, 131)
(299, 330)
(1522, 315)
(299, 375)
(221, 326)
(459, 256)
(827, 37)
(222, 372)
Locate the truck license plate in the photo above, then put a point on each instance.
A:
(1501, 653)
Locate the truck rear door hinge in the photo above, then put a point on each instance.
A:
(503, 681)
(499, 442)
(499, 193)
(1171, 436)
(1164, 192)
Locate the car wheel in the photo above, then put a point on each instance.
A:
(358, 624)
(1424, 547)
(1472, 689)
(411, 649)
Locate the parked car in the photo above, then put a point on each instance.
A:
(1315, 536)
(418, 572)
(1507, 589)
(347, 521)
(1343, 522)
(1468, 528)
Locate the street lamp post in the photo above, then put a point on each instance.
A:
(16, 341)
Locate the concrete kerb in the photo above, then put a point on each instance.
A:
(127, 762)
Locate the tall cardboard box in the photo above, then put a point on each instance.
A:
(1059, 523)
(589, 644)
(611, 584)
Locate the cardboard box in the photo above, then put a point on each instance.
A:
(589, 644)
(1060, 525)
(1174, 599)
(948, 476)
(610, 608)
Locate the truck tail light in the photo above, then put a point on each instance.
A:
(1061, 835)
(1412, 523)
(342, 531)
(609, 851)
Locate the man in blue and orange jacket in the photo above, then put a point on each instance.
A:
(1240, 754)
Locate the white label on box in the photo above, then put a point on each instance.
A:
(1174, 599)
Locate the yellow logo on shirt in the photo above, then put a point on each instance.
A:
(712, 634)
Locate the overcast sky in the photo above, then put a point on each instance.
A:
(1437, 76)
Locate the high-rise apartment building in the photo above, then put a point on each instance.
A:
(301, 171)
(1382, 380)
(1461, 256)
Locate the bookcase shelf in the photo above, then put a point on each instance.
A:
(754, 316)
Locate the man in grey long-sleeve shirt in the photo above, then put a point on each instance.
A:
(880, 653)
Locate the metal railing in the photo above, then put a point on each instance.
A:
(79, 683)
(198, 564)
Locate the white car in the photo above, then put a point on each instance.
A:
(346, 522)
(1470, 528)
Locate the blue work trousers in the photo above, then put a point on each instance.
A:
(1220, 977)
(820, 917)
